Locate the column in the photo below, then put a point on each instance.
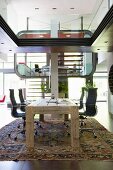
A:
(54, 74)
(54, 59)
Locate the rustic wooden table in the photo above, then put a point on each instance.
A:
(52, 106)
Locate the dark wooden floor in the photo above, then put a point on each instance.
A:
(56, 165)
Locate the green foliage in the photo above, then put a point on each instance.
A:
(62, 87)
(89, 85)
(45, 87)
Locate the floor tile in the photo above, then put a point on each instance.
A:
(96, 165)
(51, 165)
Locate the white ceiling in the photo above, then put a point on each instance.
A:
(27, 7)
(68, 13)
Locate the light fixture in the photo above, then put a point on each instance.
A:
(41, 36)
(36, 8)
(54, 8)
(68, 35)
(72, 8)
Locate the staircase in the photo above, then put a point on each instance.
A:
(33, 90)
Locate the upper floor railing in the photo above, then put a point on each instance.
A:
(69, 65)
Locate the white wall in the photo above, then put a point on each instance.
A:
(3, 13)
(102, 56)
(3, 9)
(12, 18)
(111, 2)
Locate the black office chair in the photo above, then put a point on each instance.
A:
(21, 96)
(37, 69)
(90, 110)
(81, 99)
(15, 110)
(22, 101)
(81, 106)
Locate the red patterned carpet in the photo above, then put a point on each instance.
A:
(52, 142)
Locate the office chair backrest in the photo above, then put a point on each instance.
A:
(14, 103)
(37, 68)
(21, 96)
(81, 98)
(22, 101)
(92, 96)
(91, 108)
(12, 97)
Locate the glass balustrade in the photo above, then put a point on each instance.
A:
(69, 65)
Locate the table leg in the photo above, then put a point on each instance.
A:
(29, 129)
(75, 128)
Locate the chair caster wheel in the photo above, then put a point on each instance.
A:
(68, 134)
(36, 133)
(23, 132)
(18, 127)
(40, 126)
(15, 138)
(82, 124)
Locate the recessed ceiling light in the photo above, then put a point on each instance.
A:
(2, 43)
(41, 36)
(68, 35)
(98, 49)
(72, 8)
(36, 8)
(54, 8)
(10, 50)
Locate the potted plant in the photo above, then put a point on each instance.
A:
(89, 85)
(45, 87)
(63, 88)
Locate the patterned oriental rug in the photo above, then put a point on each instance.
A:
(52, 142)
